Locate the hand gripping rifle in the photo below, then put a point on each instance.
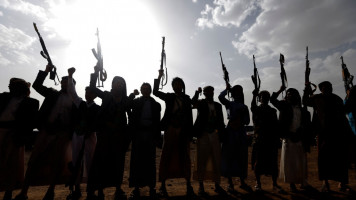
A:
(163, 62)
(346, 76)
(255, 77)
(283, 72)
(53, 73)
(100, 65)
(226, 74)
(307, 74)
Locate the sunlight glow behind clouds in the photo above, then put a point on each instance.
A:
(129, 35)
(127, 32)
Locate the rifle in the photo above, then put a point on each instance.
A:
(226, 74)
(346, 76)
(255, 77)
(163, 62)
(44, 53)
(100, 64)
(307, 74)
(283, 72)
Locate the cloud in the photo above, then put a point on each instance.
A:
(285, 26)
(25, 7)
(1, 13)
(13, 38)
(4, 61)
(322, 69)
(226, 13)
(14, 45)
(288, 26)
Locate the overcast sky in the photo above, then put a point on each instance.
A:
(196, 30)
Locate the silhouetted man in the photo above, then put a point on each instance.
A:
(208, 127)
(18, 114)
(333, 133)
(146, 132)
(84, 137)
(49, 158)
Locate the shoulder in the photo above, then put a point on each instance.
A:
(217, 104)
(271, 108)
(32, 100)
(30, 103)
(155, 103)
(95, 106)
(5, 95)
(170, 96)
(337, 97)
(316, 96)
(244, 106)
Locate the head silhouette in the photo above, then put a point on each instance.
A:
(326, 87)
(178, 85)
(146, 89)
(208, 92)
(264, 97)
(293, 97)
(19, 87)
(118, 86)
(237, 93)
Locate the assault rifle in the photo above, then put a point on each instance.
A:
(346, 76)
(307, 74)
(100, 64)
(255, 77)
(163, 62)
(226, 74)
(53, 73)
(283, 72)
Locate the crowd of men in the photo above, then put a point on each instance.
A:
(80, 141)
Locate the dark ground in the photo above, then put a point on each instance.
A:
(176, 187)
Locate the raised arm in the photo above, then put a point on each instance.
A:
(130, 99)
(275, 102)
(222, 95)
(222, 98)
(93, 78)
(156, 91)
(71, 88)
(254, 100)
(38, 84)
(195, 98)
